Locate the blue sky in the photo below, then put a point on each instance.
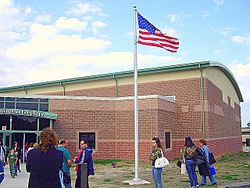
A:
(50, 40)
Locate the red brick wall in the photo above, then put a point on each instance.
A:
(113, 121)
(224, 127)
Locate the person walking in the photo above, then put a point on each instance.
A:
(12, 161)
(189, 153)
(18, 152)
(45, 162)
(67, 162)
(205, 151)
(2, 152)
(156, 153)
(1, 173)
(84, 156)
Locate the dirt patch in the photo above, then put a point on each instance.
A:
(230, 169)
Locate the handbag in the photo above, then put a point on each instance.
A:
(212, 170)
(161, 162)
(183, 168)
(211, 158)
(179, 162)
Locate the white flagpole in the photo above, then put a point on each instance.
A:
(136, 97)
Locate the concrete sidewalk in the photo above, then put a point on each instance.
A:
(21, 180)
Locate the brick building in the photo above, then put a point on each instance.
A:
(200, 99)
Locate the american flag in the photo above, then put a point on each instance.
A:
(151, 36)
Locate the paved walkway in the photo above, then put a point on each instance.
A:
(21, 180)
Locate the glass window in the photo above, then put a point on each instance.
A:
(27, 100)
(89, 137)
(24, 123)
(229, 101)
(1, 99)
(1, 104)
(10, 99)
(27, 106)
(44, 100)
(10, 105)
(43, 123)
(44, 107)
(5, 121)
(168, 140)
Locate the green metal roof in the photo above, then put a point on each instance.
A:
(171, 68)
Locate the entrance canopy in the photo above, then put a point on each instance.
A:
(34, 113)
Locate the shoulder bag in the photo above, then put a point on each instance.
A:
(183, 167)
(161, 162)
(211, 158)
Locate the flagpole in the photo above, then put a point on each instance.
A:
(136, 98)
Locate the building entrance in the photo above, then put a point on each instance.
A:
(24, 140)
(22, 119)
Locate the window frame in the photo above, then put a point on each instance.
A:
(87, 132)
(170, 140)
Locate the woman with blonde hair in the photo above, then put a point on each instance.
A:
(45, 162)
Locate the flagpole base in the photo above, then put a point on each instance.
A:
(136, 182)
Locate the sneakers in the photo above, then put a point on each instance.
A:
(214, 183)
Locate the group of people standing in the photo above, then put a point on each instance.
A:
(49, 164)
(190, 154)
(11, 157)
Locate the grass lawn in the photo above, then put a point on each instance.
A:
(230, 169)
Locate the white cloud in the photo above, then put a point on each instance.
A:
(226, 31)
(248, 57)
(241, 39)
(9, 15)
(68, 66)
(242, 74)
(170, 32)
(86, 8)
(44, 45)
(173, 18)
(73, 24)
(219, 2)
(240, 70)
(41, 49)
(27, 10)
(97, 25)
(43, 18)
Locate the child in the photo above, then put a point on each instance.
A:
(12, 160)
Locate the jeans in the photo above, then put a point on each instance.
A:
(190, 164)
(67, 180)
(204, 180)
(68, 185)
(156, 172)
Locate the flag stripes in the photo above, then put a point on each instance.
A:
(151, 36)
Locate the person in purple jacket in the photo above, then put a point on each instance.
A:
(45, 162)
(84, 156)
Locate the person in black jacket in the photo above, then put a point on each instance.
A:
(45, 162)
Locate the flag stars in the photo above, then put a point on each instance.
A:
(144, 24)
